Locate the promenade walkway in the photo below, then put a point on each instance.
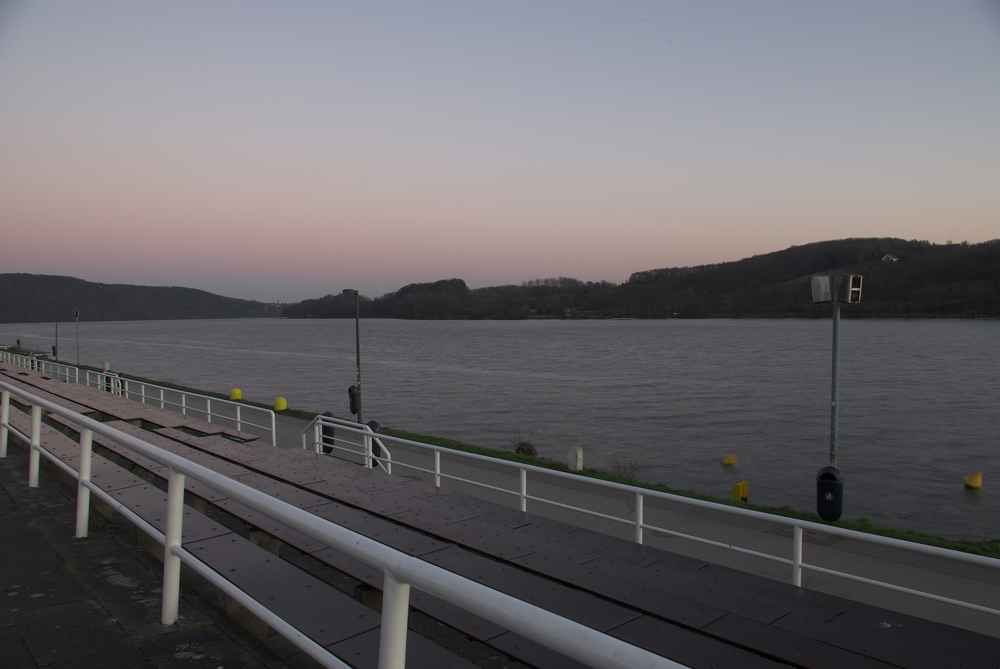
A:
(688, 608)
(81, 603)
(967, 582)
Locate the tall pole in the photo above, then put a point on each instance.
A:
(55, 351)
(835, 386)
(357, 341)
(77, 314)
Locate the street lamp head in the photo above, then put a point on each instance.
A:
(350, 291)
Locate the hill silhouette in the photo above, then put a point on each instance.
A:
(34, 298)
(901, 279)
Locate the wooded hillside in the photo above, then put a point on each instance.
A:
(35, 298)
(917, 279)
(923, 280)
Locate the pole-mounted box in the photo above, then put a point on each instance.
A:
(849, 289)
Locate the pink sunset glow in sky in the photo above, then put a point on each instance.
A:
(288, 150)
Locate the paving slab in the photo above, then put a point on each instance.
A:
(100, 603)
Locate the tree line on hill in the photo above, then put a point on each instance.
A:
(901, 279)
(38, 298)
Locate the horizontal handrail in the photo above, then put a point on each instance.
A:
(401, 570)
(43, 365)
(639, 494)
(367, 439)
(121, 386)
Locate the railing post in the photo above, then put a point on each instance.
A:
(274, 432)
(317, 437)
(208, 409)
(172, 539)
(127, 392)
(437, 469)
(142, 389)
(368, 452)
(797, 555)
(395, 610)
(184, 406)
(82, 491)
(36, 442)
(638, 518)
(238, 418)
(4, 417)
(524, 489)
(161, 398)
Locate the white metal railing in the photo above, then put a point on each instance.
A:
(141, 391)
(150, 393)
(34, 363)
(637, 522)
(582, 643)
(323, 429)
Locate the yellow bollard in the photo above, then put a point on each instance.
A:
(235, 394)
(740, 491)
(974, 481)
(280, 404)
(729, 460)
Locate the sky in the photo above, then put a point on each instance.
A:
(287, 150)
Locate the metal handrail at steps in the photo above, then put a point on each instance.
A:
(584, 644)
(138, 391)
(640, 494)
(324, 437)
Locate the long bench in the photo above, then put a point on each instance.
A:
(691, 611)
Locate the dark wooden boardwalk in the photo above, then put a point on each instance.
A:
(696, 613)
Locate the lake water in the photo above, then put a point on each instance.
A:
(919, 399)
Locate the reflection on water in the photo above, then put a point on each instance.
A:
(918, 402)
(974, 497)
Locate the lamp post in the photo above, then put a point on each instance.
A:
(357, 340)
(829, 481)
(76, 315)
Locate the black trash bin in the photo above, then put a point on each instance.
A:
(829, 494)
(353, 398)
(376, 428)
(327, 436)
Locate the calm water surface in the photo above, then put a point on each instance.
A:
(919, 399)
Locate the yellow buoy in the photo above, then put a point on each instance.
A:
(235, 394)
(974, 480)
(280, 404)
(729, 460)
